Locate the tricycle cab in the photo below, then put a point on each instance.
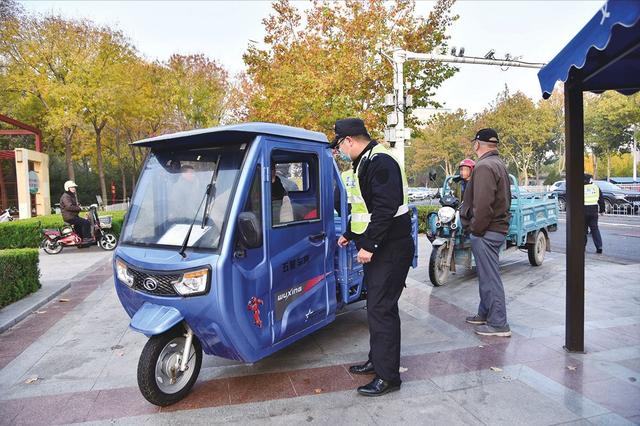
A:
(257, 271)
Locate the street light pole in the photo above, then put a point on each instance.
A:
(396, 133)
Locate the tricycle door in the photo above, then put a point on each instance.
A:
(298, 238)
(249, 296)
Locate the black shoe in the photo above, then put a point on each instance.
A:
(599, 251)
(366, 368)
(379, 387)
(476, 319)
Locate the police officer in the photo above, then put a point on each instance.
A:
(593, 204)
(380, 226)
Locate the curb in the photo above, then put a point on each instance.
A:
(34, 306)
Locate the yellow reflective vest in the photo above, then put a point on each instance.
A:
(591, 194)
(360, 215)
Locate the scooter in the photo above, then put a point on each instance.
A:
(7, 215)
(445, 236)
(56, 239)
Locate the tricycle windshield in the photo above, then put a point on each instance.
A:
(171, 193)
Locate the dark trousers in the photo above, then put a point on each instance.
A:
(385, 278)
(486, 251)
(591, 222)
(81, 226)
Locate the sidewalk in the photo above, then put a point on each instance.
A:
(56, 273)
(81, 366)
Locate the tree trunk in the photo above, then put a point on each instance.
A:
(608, 165)
(121, 164)
(595, 166)
(67, 134)
(103, 185)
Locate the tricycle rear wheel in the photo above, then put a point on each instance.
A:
(157, 366)
(537, 250)
(437, 272)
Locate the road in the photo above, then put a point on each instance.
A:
(620, 238)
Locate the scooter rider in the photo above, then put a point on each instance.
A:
(380, 226)
(466, 168)
(70, 209)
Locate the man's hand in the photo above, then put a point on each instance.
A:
(364, 256)
(342, 241)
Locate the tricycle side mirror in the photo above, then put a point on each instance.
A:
(250, 234)
(432, 175)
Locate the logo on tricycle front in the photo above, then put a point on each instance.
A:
(150, 284)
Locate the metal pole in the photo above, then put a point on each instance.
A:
(574, 154)
(401, 56)
(634, 156)
(398, 85)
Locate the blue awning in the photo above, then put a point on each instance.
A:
(604, 55)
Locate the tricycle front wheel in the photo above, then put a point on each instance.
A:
(159, 377)
(438, 272)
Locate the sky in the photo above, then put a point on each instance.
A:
(535, 30)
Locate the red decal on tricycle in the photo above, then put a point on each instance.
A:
(254, 306)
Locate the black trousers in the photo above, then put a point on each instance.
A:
(81, 226)
(591, 222)
(385, 278)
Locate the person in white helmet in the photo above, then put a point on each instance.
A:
(70, 209)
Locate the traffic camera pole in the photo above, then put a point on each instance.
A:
(395, 132)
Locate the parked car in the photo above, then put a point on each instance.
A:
(616, 199)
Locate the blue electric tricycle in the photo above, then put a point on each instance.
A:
(215, 256)
(533, 216)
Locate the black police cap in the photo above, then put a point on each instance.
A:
(348, 127)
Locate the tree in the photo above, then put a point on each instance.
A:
(103, 77)
(608, 125)
(198, 88)
(444, 141)
(524, 129)
(43, 58)
(312, 73)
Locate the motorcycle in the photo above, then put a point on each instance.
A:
(56, 239)
(7, 215)
(445, 235)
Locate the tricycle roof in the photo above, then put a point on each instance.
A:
(231, 134)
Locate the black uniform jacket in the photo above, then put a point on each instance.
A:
(380, 182)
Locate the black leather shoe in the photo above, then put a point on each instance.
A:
(379, 387)
(366, 368)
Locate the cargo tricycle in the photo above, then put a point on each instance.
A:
(533, 216)
(212, 260)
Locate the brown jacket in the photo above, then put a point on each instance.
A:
(69, 206)
(487, 198)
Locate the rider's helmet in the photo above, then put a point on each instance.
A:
(69, 184)
(468, 162)
(66, 230)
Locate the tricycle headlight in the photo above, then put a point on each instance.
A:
(446, 214)
(123, 273)
(192, 282)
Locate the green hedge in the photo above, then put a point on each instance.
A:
(423, 211)
(27, 232)
(19, 274)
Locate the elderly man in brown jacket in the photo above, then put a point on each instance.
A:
(485, 214)
(70, 210)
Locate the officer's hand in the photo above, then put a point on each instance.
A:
(364, 256)
(342, 241)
